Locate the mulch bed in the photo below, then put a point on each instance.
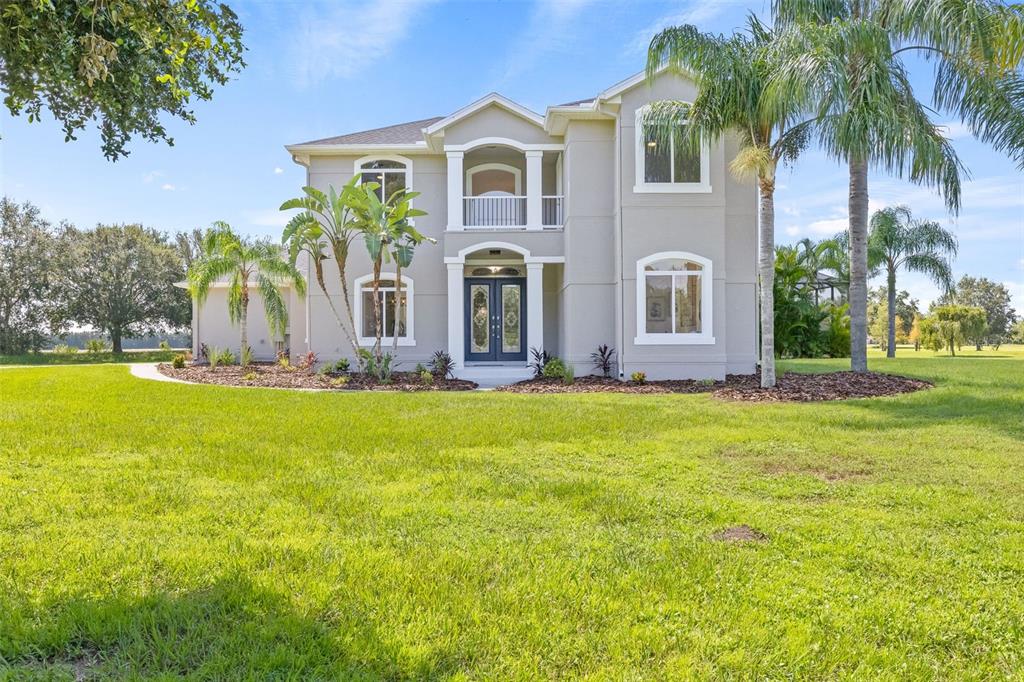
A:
(789, 387)
(272, 375)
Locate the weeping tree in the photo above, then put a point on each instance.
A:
(733, 75)
(324, 229)
(898, 240)
(389, 235)
(242, 263)
(845, 64)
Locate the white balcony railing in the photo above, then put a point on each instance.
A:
(551, 211)
(494, 211)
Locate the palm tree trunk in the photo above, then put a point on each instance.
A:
(378, 311)
(339, 260)
(890, 351)
(243, 320)
(859, 265)
(766, 278)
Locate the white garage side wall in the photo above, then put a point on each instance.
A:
(217, 331)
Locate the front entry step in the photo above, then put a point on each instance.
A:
(492, 376)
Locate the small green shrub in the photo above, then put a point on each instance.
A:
(250, 376)
(341, 366)
(554, 368)
(538, 359)
(245, 356)
(603, 359)
(165, 345)
(178, 361)
(338, 382)
(64, 349)
(706, 382)
(95, 346)
(221, 356)
(426, 378)
(639, 377)
(569, 375)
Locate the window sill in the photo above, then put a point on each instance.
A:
(672, 188)
(674, 340)
(385, 342)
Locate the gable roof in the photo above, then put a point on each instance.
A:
(400, 133)
(493, 98)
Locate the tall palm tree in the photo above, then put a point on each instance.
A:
(245, 262)
(845, 64)
(898, 240)
(732, 75)
(326, 225)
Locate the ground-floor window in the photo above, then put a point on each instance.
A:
(673, 299)
(365, 311)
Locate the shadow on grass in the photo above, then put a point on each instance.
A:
(1000, 413)
(230, 630)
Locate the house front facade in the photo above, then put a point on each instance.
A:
(561, 232)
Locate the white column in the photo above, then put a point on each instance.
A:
(455, 178)
(195, 329)
(534, 169)
(456, 337)
(534, 305)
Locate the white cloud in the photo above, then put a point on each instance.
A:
(695, 12)
(168, 187)
(828, 227)
(793, 230)
(954, 130)
(151, 176)
(278, 170)
(552, 26)
(340, 39)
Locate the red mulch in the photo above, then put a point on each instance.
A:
(275, 376)
(744, 387)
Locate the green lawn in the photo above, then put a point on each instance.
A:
(163, 530)
(86, 358)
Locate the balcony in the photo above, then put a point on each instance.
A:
(507, 211)
(496, 187)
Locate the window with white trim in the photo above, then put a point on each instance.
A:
(673, 299)
(391, 173)
(365, 312)
(669, 165)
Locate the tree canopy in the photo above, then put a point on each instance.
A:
(120, 63)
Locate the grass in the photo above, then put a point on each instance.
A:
(164, 530)
(86, 358)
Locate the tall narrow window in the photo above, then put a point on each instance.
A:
(366, 312)
(669, 165)
(674, 299)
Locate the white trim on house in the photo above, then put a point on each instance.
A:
(641, 186)
(505, 142)
(408, 288)
(486, 101)
(517, 174)
(521, 250)
(706, 335)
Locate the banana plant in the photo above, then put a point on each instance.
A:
(389, 236)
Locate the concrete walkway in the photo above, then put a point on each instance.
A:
(148, 370)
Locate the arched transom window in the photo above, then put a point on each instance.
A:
(391, 173)
(674, 299)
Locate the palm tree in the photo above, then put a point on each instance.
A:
(845, 65)
(732, 75)
(245, 262)
(326, 226)
(900, 241)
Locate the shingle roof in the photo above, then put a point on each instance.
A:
(401, 133)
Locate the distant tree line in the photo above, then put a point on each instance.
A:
(115, 279)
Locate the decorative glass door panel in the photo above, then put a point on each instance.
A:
(495, 319)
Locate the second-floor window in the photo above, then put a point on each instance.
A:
(669, 165)
(390, 174)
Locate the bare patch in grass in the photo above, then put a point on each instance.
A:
(742, 533)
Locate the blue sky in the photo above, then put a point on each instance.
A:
(323, 69)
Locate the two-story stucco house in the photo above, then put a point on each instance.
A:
(563, 232)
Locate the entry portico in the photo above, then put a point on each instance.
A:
(497, 260)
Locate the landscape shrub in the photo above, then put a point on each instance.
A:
(426, 377)
(246, 356)
(639, 377)
(554, 368)
(95, 346)
(538, 360)
(442, 364)
(568, 375)
(603, 359)
(178, 361)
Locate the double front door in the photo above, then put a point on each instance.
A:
(495, 319)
